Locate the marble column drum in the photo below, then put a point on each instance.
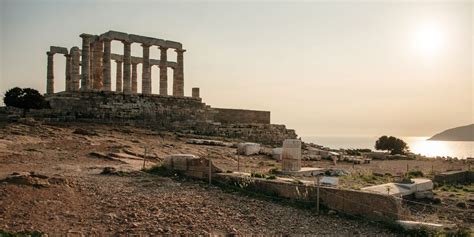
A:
(68, 73)
(134, 78)
(118, 77)
(180, 72)
(146, 70)
(75, 67)
(85, 63)
(98, 48)
(126, 67)
(106, 71)
(50, 74)
(163, 71)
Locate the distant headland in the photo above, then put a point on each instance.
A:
(463, 133)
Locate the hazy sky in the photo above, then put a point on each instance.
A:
(322, 68)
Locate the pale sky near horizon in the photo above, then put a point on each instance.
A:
(401, 68)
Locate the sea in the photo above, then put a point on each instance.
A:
(417, 145)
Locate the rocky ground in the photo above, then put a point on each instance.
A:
(58, 188)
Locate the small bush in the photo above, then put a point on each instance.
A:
(415, 173)
(272, 176)
(160, 170)
(257, 175)
(25, 99)
(274, 170)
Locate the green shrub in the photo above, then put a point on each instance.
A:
(160, 170)
(272, 176)
(257, 175)
(415, 173)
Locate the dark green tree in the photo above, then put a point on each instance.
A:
(25, 99)
(392, 144)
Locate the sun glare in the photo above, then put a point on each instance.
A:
(428, 40)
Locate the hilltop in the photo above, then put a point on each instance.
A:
(463, 133)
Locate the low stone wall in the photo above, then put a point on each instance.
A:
(452, 177)
(235, 116)
(352, 202)
(270, 134)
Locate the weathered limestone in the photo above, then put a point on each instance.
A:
(195, 92)
(98, 47)
(180, 72)
(163, 71)
(134, 78)
(50, 74)
(85, 62)
(277, 153)
(191, 165)
(68, 73)
(146, 70)
(75, 64)
(291, 156)
(59, 50)
(126, 67)
(107, 75)
(248, 148)
(118, 77)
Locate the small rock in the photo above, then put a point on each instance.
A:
(81, 131)
(332, 212)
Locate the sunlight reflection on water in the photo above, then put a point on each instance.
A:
(418, 145)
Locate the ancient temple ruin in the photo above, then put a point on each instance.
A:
(89, 68)
(88, 95)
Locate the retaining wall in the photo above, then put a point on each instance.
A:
(352, 202)
(235, 116)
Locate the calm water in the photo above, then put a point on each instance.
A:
(418, 145)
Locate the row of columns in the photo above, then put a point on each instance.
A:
(129, 82)
(119, 78)
(94, 61)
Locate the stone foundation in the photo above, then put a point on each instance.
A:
(178, 114)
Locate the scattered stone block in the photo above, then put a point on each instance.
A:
(248, 148)
(403, 189)
(329, 181)
(190, 165)
(277, 153)
(424, 194)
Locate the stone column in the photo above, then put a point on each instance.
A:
(98, 47)
(180, 72)
(118, 77)
(134, 78)
(50, 74)
(175, 73)
(146, 70)
(163, 71)
(75, 64)
(106, 72)
(126, 67)
(195, 92)
(85, 66)
(68, 73)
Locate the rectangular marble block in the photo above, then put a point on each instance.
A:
(291, 155)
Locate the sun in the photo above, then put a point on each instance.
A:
(429, 39)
